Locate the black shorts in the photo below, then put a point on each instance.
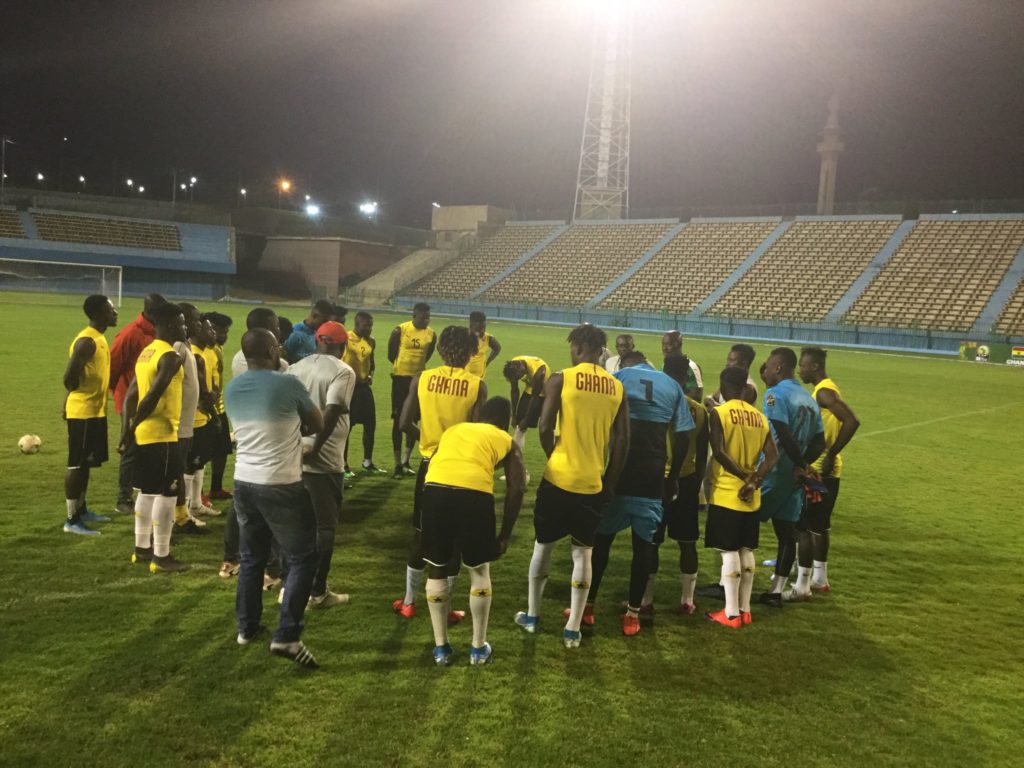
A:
(730, 530)
(817, 517)
(559, 513)
(158, 468)
(363, 409)
(87, 442)
(399, 391)
(528, 410)
(204, 438)
(222, 442)
(417, 495)
(680, 521)
(458, 519)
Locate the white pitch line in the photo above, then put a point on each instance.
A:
(901, 427)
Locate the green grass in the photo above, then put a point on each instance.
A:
(915, 658)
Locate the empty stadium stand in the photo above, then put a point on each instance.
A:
(689, 267)
(10, 226)
(807, 270)
(97, 230)
(1011, 321)
(943, 274)
(461, 277)
(575, 266)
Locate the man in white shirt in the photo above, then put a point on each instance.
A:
(261, 317)
(330, 383)
(623, 344)
(672, 344)
(740, 356)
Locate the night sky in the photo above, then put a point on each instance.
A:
(410, 101)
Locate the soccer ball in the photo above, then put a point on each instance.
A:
(30, 443)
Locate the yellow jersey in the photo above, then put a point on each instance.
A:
(700, 419)
(161, 426)
(590, 401)
(467, 455)
(202, 419)
(218, 377)
(359, 355)
(412, 349)
(89, 401)
(533, 364)
(832, 426)
(478, 362)
(447, 396)
(744, 429)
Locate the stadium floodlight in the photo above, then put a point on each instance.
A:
(129, 182)
(81, 179)
(285, 185)
(308, 198)
(40, 177)
(193, 180)
(183, 187)
(242, 191)
(955, 211)
(312, 209)
(368, 208)
(141, 189)
(436, 204)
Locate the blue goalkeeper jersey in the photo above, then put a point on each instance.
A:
(791, 404)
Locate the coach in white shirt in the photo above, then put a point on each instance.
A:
(623, 344)
(261, 317)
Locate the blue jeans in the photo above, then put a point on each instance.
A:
(265, 513)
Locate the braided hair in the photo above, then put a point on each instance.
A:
(457, 345)
(588, 336)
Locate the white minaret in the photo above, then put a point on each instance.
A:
(830, 147)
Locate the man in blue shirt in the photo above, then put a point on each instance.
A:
(301, 342)
(657, 407)
(269, 410)
(799, 435)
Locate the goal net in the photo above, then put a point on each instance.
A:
(60, 277)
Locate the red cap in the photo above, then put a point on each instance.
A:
(332, 333)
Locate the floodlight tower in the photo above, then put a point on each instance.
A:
(602, 182)
(830, 147)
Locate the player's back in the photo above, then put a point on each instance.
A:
(744, 430)
(590, 400)
(467, 455)
(161, 426)
(446, 396)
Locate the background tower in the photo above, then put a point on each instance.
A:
(830, 147)
(602, 182)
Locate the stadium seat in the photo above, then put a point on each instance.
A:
(95, 230)
(578, 264)
(10, 226)
(807, 270)
(687, 269)
(1011, 320)
(942, 275)
(460, 278)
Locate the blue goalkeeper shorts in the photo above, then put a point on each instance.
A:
(643, 515)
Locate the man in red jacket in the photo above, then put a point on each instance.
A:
(124, 352)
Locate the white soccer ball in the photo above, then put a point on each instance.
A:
(30, 443)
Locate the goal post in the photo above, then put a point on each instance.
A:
(30, 276)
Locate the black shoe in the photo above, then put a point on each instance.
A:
(398, 473)
(296, 652)
(714, 591)
(772, 599)
(189, 528)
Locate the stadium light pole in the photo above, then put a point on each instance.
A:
(3, 166)
(282, 186)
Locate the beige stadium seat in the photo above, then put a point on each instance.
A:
(10, 225)
(578, 264)
(942, 276)
(687, 269)
(460, 278)
(1011, 320)
(98, 231)
(807, 270)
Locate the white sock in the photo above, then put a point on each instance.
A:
(367, 462)
(72, 509)
(188, 492)
(480, 601)
(746, 578)
(779, 584)
(163, 522)
(144, 520)
(437, 602)
(519, 438)
(648, 597)
(803, 580)
(539, 564)
(197, 487)
(413, 579)
(820, 577)
(582, 573)
(689, 587)
(731, 582)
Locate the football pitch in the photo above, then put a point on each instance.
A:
(916, 657)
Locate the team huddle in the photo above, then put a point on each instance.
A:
(627, 446)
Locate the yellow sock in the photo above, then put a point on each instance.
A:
(180, 514)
